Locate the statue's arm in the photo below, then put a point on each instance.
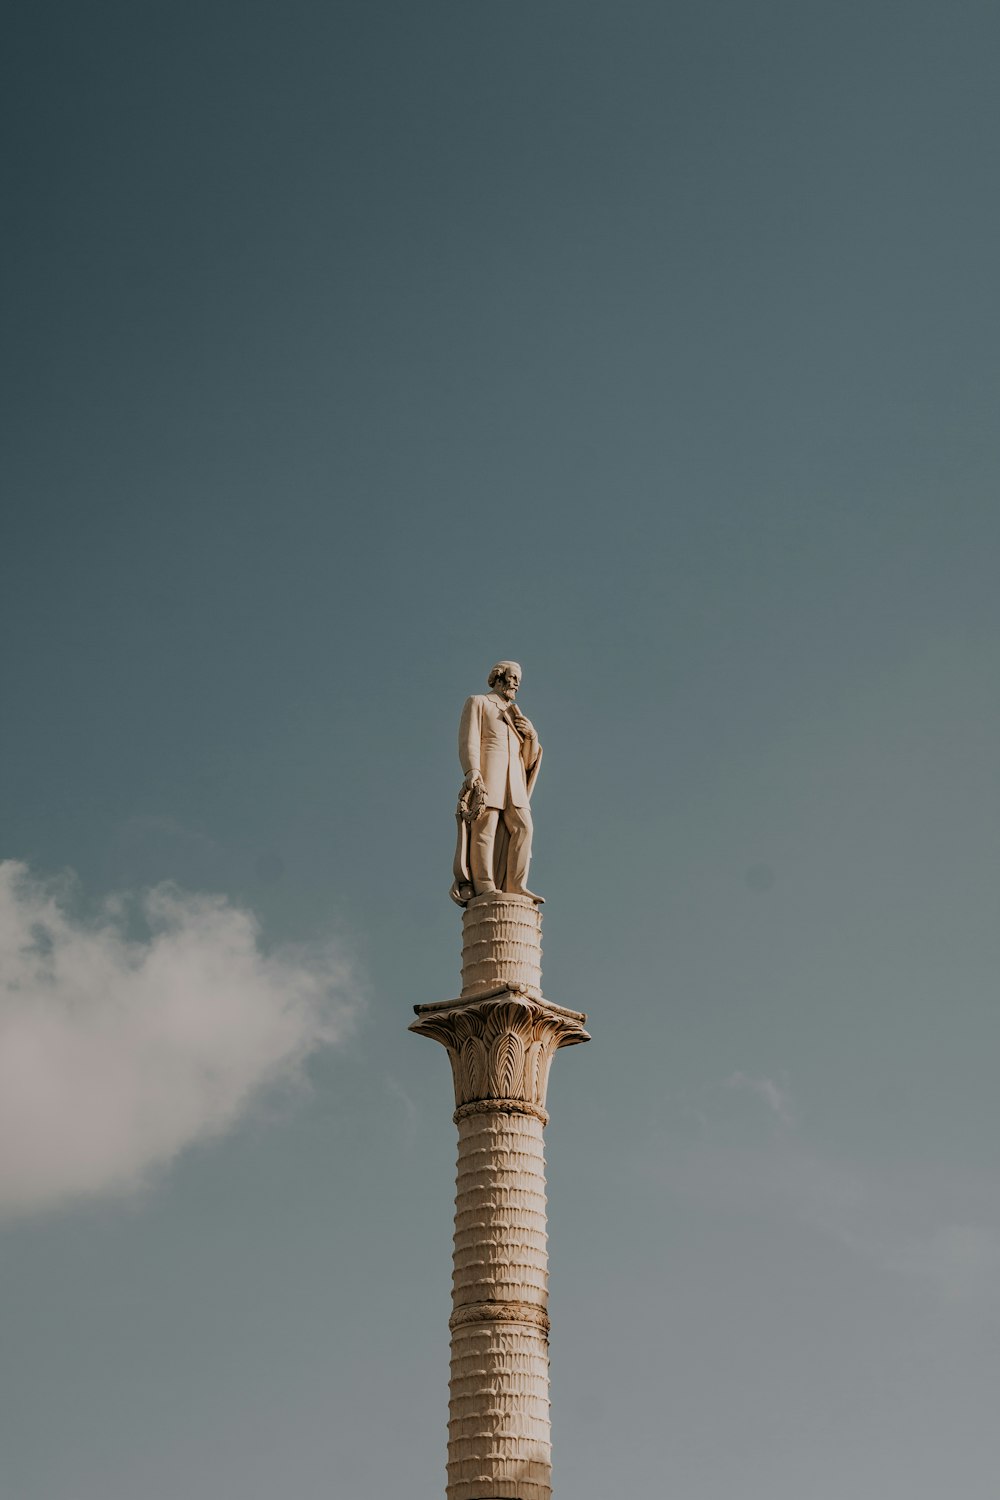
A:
(470, 736)
(531, 754)
(530, 746)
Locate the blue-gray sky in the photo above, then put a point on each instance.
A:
(348, 348)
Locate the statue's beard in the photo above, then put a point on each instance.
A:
(510, 693)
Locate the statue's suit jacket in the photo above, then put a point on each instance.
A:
(487, 744)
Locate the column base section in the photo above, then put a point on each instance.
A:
(498, 1432)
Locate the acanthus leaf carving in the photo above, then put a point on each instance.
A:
(474, 1064)
(506, 1077)
(501, 1046)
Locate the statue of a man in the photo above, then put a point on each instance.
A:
(500, 755)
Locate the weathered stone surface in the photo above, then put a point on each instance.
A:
(500, 1036)
(501, 945)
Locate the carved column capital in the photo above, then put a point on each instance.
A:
(501, 1047)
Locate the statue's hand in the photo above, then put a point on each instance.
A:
(472, 797)
(524, 725)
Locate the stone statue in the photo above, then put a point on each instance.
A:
(500, 755)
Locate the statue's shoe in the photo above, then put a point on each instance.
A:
(539, 899)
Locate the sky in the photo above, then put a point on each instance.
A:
(349, 348)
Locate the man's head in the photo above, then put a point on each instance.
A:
(506, 678)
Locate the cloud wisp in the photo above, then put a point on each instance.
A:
(117, 1052)
(933, 1228)
(777, 1098)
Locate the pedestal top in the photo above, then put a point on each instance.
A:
(504, 991)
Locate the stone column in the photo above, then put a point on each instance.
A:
(501, 1035)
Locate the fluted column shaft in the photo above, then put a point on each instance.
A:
(498, 1430)
(501, 1038)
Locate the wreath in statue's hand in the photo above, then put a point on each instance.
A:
(472, 798)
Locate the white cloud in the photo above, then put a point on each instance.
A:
(117, 1052)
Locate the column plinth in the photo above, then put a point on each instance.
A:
(501, 1036)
